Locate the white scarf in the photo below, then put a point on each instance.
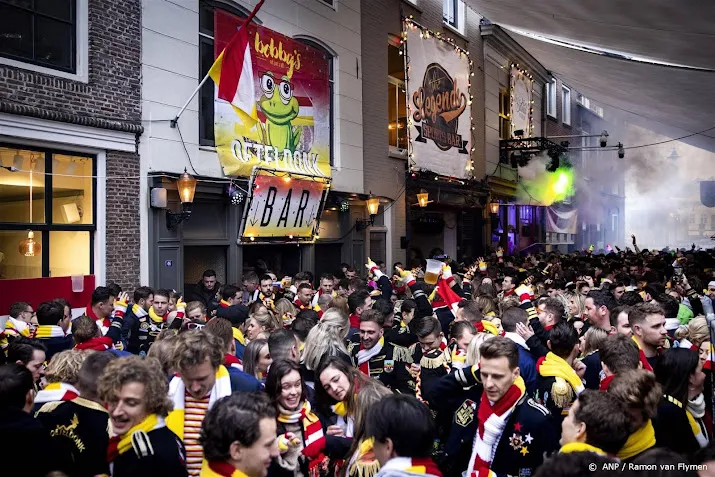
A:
(696, 407)
(56, 392)
(367, 354)
(516, 338)
(222, 388)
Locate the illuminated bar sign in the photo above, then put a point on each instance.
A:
(283, 209)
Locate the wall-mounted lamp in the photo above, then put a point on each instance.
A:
(423, 198)
(494, 207)
(186, 187)
(373, 204)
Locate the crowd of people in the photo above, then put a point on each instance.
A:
(548, 365)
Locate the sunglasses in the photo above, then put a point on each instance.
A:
(195, 326)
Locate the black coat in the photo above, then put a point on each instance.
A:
(165, 456)
(387, 368)
(28, 447)
(80, 435)
(672, 429)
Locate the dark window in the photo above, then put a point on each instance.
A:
(331, 86)
(53, 193)
(206, 59)
(41, 32)
(328, 2)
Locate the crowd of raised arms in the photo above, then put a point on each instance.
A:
(549, 365)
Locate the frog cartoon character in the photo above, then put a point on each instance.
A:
(280, 108)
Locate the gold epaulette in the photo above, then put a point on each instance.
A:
(400, 353)
(433, 363)
(561, 392)
(48, 407)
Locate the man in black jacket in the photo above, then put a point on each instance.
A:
(19, 431)
(205, 291)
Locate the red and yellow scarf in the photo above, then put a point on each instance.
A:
(54, 392)
(223, 303)
(105, 322)
(220, 469)
(414, 465)
(313, 437)
(118, 445)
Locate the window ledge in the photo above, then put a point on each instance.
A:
(397, 153)
(456, 31)
(207, 148)
(551, 116)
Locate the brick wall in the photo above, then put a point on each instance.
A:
(123, 220)
(112, 95)
(114, 87)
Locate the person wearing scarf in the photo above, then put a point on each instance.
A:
(326, 288)
(100, 308)
(402, 434)
(15, 327)
(54, 328)
(142, 444)
(597, 422)
(638, 389)
(527, 364)
(137, 328)
(197, 354)
(377, 358)
(239, 436)
(618, 354)
(514, 433)
(559, 384)
(304, 297)
(647, 321)
(301, 440)
(231, 307)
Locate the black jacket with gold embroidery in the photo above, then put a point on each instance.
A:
(79, 430)
(389, 366)
(158, 452)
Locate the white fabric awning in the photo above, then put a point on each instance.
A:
(625, 36)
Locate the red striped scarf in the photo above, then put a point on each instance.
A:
(119, 444)
(102, 343)
(313, 437)
(105, 322)
(414, 465)
(224, 304)
(54, 392)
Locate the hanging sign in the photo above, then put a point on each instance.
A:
(439, 106)
(521, 97)
(279, 118)
(283, 208)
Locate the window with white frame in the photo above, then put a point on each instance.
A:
(396, 99)
(565, 105)
(551, 98)
(454, 14)
(45, 36)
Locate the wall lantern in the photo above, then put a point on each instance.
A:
(423, 198)
(494, 207)
(186, 187)
(373, 204)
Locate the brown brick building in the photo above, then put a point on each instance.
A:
(70, 119)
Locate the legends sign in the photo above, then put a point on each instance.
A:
(283, 208)
(438, 94)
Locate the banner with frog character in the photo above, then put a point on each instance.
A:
(280, 117)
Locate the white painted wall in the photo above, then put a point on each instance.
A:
(170, 72)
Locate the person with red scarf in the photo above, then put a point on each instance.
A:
(618, 354)
(514, 433)
(403, 432)
(239, 436)
(100, 308)
(647, 321)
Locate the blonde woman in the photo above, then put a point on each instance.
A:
(285, 311)
(592, 341)
(487, 306)
(576, 307)
(361, 460)
(260, 325)
(694, 333)
(566, 302)
(327, 338)
(62, 376)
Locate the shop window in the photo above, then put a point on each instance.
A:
(63, 220)
(504, 114)
(396, 95)
(40, 32)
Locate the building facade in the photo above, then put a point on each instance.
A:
(178, 48)
(70, 118)
(519, 223)
(599, 200)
